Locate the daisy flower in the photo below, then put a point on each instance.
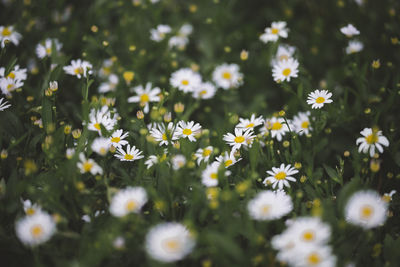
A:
(79, 68)
(117, 138)
(102, 117)
(131, 154)
(9, 85)
(16, 73)
(188, 130)
(35, 229)
(203, 154)
(242, 137)
(227, 76)
(372, 138)
(101, 145)
(209, 176)
(354, 47)
(315, 256)
(186, 80)
(285, 69)
(30, 208)
(4, 105)
(158, 34)
(272, 34)
(319, 98)
(128, 200)
(145, 95)
(7, 33)
(151, 161)
(204, 91)
(284, 52)
(301, 123)
(366, 209)
(269, 205)
(306, 231)
(45, 49)
(110, 85)
(181, 39)
(88, 165)
(280, 177)
(228, 159)
(106, 68)
(169, 242)
(164, 135)
(349, 30)
(178, 161)
(250, 123)
(277, 127)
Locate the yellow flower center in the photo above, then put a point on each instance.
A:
(78, 70)
(36, 231)
(97, 126)
(130, 205)
(6, 32)
(308, 236)
(128, 157)
(305, 124)
(320, 100)
(172, 245)
(313, 259)
(203, 92)
(185, 82)
(206, 152)
(10, 87)
(283, 57)
(87, 166)
(11, 75)
(367, 211)
(30, 211)
(239, 139)
(228, 163)
(115, 139)
(103, 151)
(250, 125)
(372, 139)
(214, 175)
(144, 98)
(48, 50)
(265, 209)
(274, 31)
(286, 72)
(226, 75)
(187, 131)
(276, 126)
(164, 137)
(386, 198)
(280, 176)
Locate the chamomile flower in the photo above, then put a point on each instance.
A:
(169, 242)
(272, 34)
(284, 52)
(314, 256)
(35, 229)
(7, 33)
(110, 85)
(306, 231)
(188, 130)
(145, 95)
(9, 85)
(371, 141)
(106, 67)
(45, 49)
(131, 153)
(69, 153)
(277, 126)
(79, 68)
(209, 176)
(242, 137)
(181, 39)
(280, 177)
(269, 205)
(228, 159)
(158, 34)
(101, 145)
(203, 154)
(186, 80)
(285, 70)
(301, 123)
(204, 91)
(31, 208)
(4, 105)
(354, 47)
(128, 200)
(164, 135)
(319, 98)
(178, 161)
(151, 161)
(16, 73)
(88, 165)
(349, 30)
(250, 123)
(227, 76)
(366, 209)
(103, 117)
(117, 138)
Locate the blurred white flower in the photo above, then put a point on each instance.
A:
(272, 34)
(128, 200)
(227, 76)
(269, 205)
(354, 47)
(349, 30)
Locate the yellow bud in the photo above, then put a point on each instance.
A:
(3, 154)
(30, 167)
(140, 115)
(282, 113)
(303, 178)
(48, 92)
(346, 153)
(128, 76)
(375, 165)
(30, 98)
(243, 186)
(192, 8)
(94, 28)
(206, 263)
(244, 55)
(227, 49)
(179, 107)
(67, 129)
(376, 64)
(132, 48)
(286, 143)
(159, 205)
(297, 165)
(80, 186)
(76, 133)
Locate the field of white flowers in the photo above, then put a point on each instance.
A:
(199, 133)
